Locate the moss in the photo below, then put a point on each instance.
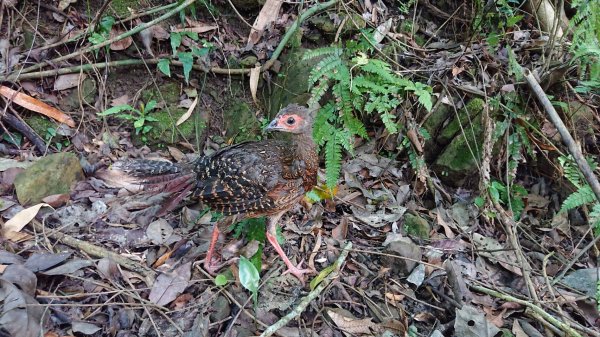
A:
(240, 122)
(417, 226)
(120, 7)
(466, 114)
(40, 124)
(164, 130)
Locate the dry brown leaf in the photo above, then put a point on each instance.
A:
(196, 29)
(68, 81)
(267, 15)
(33, 104)
(254, 78)
(17, 222)
(188, 113)
(351, 324)
(121, 44)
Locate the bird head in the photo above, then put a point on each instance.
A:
(293, 119)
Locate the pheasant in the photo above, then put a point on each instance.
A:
(251, 179)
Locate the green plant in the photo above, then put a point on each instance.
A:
(361, 86)
(512, 197)
(586, 42)
(102, 31)
(584, 194)
(140, 117)
(185, 57)
(495, 18)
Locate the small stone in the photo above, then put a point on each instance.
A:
(53, 174)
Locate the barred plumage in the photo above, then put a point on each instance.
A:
(251, 178)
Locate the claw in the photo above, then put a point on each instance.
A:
(298, 271)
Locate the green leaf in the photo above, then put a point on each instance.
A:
(249, 277)
(138, 123)
(175, 41)
(116, 109)
(511, 21)
(96, 38)
(221, 280)
(150, 106)
(322, 275)
(164, 65)
(479, 202)
(187, 59)
(200, 52)
(106, 24)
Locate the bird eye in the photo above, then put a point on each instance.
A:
(290, 121)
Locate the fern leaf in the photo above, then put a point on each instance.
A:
(344, 137)
(355, 126)
(361, 84)
(322, 52)
(581, 197)
(380, 68)
(322, 127)
(317, 92)
(323, 68)
(333, 160)
(389, 121)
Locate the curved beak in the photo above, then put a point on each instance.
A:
(273, 125)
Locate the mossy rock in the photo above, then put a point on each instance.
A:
(40, 124)
(164, 131)
(121, 7)
(291, 84)
(417, 226)
(459, 159)
(240, 122)
(469, 113)
(84, 94)
(53, 174)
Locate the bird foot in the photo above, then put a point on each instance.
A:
(298, 271)
(212, 267)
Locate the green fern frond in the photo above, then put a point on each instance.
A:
(333, 160)
(581, 197)
(355, 126)
(362, 84)
(389, 121)
(322, 127)
(380, 68)
(323, 69)
(344, 137)
(322, 52)
(595, 218)
(318, 91)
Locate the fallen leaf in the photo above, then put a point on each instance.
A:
(169, 285)
(268, 14)
(36, 105)
(188, 113)
(20, 313)
(254, 78)
(17, 222)
(68, 81)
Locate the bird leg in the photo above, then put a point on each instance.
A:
(212, 263)
(272, 237)
(211, 267)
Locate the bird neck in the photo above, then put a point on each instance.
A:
(303, 143)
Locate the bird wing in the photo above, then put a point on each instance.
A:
(247, 178)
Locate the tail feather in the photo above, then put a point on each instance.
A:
(152, 177)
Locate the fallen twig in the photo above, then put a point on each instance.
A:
(539, 311)
(97, 251)
(135, 30)
(311, 296)
(573, 147)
